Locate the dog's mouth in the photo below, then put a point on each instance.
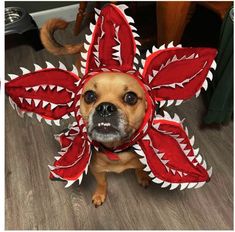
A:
(105, 128)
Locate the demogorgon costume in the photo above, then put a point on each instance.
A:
(170, 75)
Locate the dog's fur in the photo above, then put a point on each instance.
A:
(109, 87)
(47, 37)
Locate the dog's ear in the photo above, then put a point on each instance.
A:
(176, 73)
(49, 92)
(112, 43)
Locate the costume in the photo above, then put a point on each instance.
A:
(169, 75)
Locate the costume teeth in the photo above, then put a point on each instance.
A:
(162, 47)
(213, 65)
(62, 66)
(12, 76)
(170, 45)
(122, 7)
(49, 65)
(75, 71)
(88, 39)
(37, 67)
(24, 70)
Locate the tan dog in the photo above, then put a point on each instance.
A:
(113, 106)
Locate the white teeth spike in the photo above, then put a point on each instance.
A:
(183, 186)
(204, 164)
(86, 46)
(21, 99)
(49, 65)
(191, 185)
(162, 47)
(199, 159)
(96, 18)
(162, 103)
(80, 179)
(213, 65)
(170, 45)
(209, 172)
(44, 104)
(12, 76)
(174, 185)
(75, 71)
(176, 118)
(37, 67)
(69, 183)
(36, 102)
(170, 102)
(88, 38)
(155, 72)
(210, 76)
(59, 88)
(165, 184)
(83, 70)
(192, 140)
(39, 117)
(24, 70)
(53, 106)
(150, 78)
(92, 27)
(157, 180)
(51, 167)
(65, 116)
(148, 53)
(84, 55)
(129, 19)
(205, 85)
(154, 49)
(200, 184)
(195, 151)
(198, 92)
(179, 46)
(57, 122)
(57, 157)
(29, 100)
(35, 88)
(147, 169)
(62, 66)
(48, 121)
(133, 28)
(122, 7)
(97, 11)
(166, 115)
(178, 102)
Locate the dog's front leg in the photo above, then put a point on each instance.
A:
(101, 190)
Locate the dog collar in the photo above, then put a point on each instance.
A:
(170, 74)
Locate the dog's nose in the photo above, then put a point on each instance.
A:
(106, 109)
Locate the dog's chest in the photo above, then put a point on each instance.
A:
(127, 160)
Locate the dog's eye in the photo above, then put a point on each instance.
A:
(130, 98)
(89, 96)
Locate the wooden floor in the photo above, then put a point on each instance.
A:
(35, 202)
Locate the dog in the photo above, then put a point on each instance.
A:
(113, 106)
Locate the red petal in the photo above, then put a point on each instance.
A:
(75, 160)
(111, 29)
(181, 78)
(160, 141)
(48, 92)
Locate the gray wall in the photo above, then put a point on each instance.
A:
(34, 6)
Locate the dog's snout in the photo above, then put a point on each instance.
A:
(106, 109)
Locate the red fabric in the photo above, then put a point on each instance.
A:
(156, 134)
(110, 18)
(178, 71)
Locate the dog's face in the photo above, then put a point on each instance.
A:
(113, 106)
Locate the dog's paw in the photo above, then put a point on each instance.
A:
(143, 178)
(98, 199)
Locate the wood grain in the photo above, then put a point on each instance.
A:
(32, 201)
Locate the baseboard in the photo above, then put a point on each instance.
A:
(67, 13)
